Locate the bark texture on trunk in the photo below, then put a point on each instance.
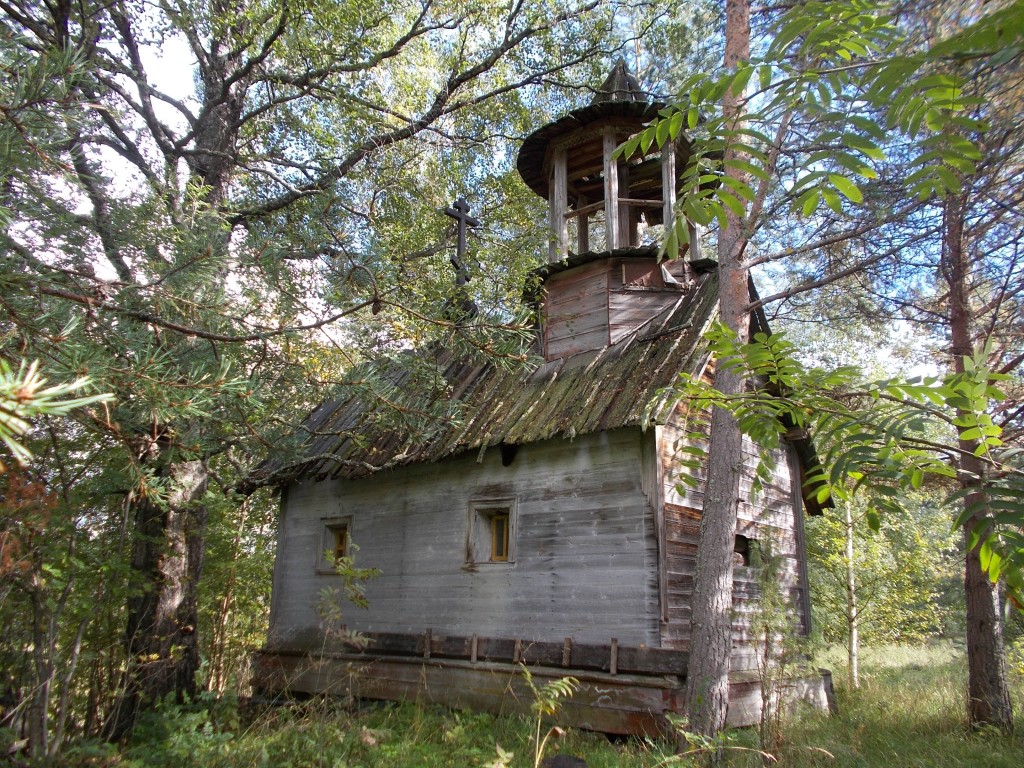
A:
(988, 691)
(707, 679)
(707, 682)
(988, 694)
(852, 619)
(161, 637)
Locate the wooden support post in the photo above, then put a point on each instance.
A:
(613, 663)
(472, 649)
(582, 227)
(427, 641)
(558, 205)
(517, 651)
(694, 254)
(627, 229)
(668, 190)
(567, 652)
(611, 189)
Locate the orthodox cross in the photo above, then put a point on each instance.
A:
(459, 210)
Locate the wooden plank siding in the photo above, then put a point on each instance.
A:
(775, 516)
(629, 308)
(585, 549)
(576, 311)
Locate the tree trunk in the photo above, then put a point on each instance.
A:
(852, 620)
(162, 638)
(170, 535)
(707, 682)
(988, 701)
(42, 641)
(222, 622)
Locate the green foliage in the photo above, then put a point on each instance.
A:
(906, 572)
(318, 733)
(777, 641)
(547, 701)
(909, 713)
(347, 588)
(24, 396)
(845, 75)
(879, 439)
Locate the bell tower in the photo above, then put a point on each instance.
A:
(596, 202)
(602, 282)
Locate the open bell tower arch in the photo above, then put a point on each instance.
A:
(596, 202)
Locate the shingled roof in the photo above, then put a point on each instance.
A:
(581, 394)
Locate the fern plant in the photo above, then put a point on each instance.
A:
(547, 700)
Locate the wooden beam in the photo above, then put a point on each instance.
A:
(583, 210)
(430, 645)
(582, 225)
(668, 187)
(625, 704)
(611, 189)
(627, 232)
(640, 202)
(558, 202)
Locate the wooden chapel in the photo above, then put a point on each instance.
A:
(547, 527)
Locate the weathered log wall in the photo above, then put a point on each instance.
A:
(576, 311)
(773, 517)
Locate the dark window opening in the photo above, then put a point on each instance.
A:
(335, 544)
(499, 538)
(741, 550)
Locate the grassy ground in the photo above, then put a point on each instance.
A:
(909, 712)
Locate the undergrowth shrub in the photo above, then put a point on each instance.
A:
(909, 713)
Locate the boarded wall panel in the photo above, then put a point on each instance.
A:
(629, 309)
(585, 547)
(576, 311)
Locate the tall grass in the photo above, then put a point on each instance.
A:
(909, 712)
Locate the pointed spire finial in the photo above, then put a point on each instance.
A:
(620, 85)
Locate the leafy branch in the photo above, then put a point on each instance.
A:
(841, 68)
(24, 396)
(882, 439)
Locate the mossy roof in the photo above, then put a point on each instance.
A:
(608, 388)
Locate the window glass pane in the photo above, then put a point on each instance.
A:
(499, 537)
(340, 542)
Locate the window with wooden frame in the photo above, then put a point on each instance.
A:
(334, 543)
(490, 535)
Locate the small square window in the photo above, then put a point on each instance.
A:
(334, 543)
(490, 537)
